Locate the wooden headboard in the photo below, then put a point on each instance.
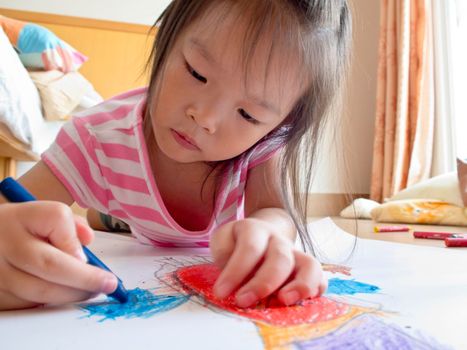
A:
(117, 55)
(117, 51)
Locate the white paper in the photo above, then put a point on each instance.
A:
(423, 291)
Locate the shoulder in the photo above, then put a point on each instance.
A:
(263, 150)
(109, 127)
(121, 111)
(263, 185)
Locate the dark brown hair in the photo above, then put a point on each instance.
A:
(318, 33)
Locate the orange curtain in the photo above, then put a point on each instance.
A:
(403, 142)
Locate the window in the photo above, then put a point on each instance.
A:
(459, 74)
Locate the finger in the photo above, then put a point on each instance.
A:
(59, 228)
(248, 251)
(50, 264)
(308, 281)
(323, 286)
(10, 302)
(222, 245)
(84, 232)
(276, 268)
(32, 289)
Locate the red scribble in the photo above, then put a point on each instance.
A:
(200, 279)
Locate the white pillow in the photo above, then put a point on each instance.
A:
(19, 98)
(360, 209)
(60, 92)
(442, 187)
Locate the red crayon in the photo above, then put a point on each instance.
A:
(455, 242)
(438, 235)
(394, 228)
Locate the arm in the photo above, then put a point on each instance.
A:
(263, 198)
(44, 185)
(262, 246)
(104, 222)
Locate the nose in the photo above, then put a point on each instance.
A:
(207, 117)
(204, 121)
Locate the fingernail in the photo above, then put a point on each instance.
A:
(291, 297)
(223, 290)
(246, 299)
(109, 285)
(80, 255)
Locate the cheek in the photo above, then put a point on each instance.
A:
(170, 95)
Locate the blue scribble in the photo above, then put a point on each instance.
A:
(141, 303)
(350, 287)
(369, 333)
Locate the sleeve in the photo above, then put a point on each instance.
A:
(263, 151)
(72, 158)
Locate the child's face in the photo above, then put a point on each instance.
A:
(207, 108)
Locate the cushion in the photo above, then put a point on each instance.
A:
(60, 92)
(19, 100)
(442, 187)
(419, 211)
(359, 209)
(462, 177)
(39, 48)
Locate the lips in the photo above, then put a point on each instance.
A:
(184, 140)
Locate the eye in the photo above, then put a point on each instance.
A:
(247, 117)
(195, 74)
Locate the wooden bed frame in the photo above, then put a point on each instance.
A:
(117, 55)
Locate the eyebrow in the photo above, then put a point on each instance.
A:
(210, 58)
(265, 104)
(202, 50)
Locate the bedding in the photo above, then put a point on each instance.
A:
(359, 209)
(19, 100)
(61, 94)
(39, 48)
(443, 187)
(420, 211)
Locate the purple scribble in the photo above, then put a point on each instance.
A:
(368, 332)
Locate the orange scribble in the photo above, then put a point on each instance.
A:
(337, 269)
(277, 337)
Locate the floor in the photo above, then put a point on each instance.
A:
(365, 229)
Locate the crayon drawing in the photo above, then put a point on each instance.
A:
(141, 303)
(385, 296)
(317, 323)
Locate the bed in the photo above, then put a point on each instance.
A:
(109, 46)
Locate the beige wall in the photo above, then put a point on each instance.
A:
(135, 11)
(362, 94)
(357, 142)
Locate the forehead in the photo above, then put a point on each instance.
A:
(263, 62)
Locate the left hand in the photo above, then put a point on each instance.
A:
(258, 261)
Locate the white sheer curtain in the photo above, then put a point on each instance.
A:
(460, 77)
(450, 49)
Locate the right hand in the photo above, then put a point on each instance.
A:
(41, 258)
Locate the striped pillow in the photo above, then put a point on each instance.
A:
(39, 48)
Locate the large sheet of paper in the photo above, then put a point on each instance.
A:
(381, 296)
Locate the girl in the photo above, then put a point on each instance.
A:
(238, 90)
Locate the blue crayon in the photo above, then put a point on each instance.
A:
(14, 192)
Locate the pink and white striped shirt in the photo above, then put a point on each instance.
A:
(101, 158)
